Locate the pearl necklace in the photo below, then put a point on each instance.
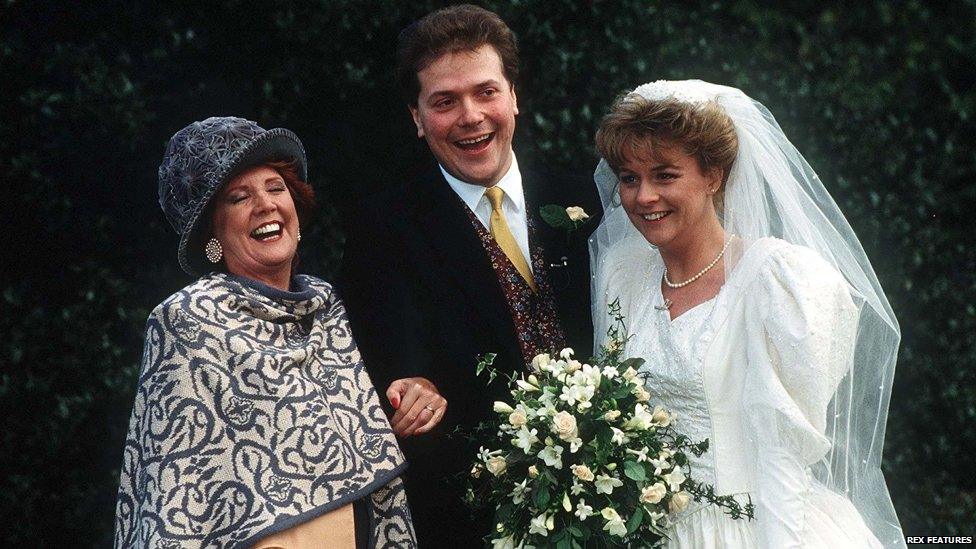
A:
(700, 273)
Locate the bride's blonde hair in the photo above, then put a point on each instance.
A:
(636, 127)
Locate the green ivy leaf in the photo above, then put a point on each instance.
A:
(635, 521)
(555, 216)
(542, 497)
(635, 471)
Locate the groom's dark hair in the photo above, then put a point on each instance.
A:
(448, 30)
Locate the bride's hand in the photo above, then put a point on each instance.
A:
(419, 406)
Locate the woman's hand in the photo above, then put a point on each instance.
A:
(419, 406)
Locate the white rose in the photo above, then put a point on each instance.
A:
(660, 417)
(564, 425)
(572, 366)
(629, 374)
(612, 415)
(517, 418)
(583, 473)
(496, 465)
(654, 493)
(642, 394)
(679, 501)
(476, 471)
(533, 471)
(540, 361)
(576, 213)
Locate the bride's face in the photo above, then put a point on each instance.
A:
(667, 196)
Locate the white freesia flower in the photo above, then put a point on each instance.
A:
(496, 465)
(582, 472)
(660, 417)
(583, 511)
(502, 407)
(572, 394)
(540, 361)
(575, 445)
(564, 425)
(526, 386)
(592, 374)
(641, 394)
(674, 479)
(518, 493)
(641, 454)
(640, 421)
(533, 471)
(619, 437)
(679, 501)
(654, 493)
(605, 484)
(612, 415)
(538, 525)
(660, 464)
(524, 439)
(567, 505)
(553, 456)
(576, 213)
(615, 525)
(610, 372)
(566, 353)
(576, 488)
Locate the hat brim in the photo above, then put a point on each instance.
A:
(270, 145)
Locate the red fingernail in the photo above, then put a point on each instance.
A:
(396, 403)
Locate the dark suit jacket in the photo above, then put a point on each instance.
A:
(423, 300)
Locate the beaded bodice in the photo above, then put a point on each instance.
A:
(673, 350)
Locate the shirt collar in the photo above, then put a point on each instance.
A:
(471, 194)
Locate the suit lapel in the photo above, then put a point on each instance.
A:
(450, 241)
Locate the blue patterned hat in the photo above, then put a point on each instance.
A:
(203, 156)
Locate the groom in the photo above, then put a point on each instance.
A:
(440, 270)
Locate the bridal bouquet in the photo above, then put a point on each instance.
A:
(583, 458)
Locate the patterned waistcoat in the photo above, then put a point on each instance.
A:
(534, 313)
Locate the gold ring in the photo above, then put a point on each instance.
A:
(428, 407)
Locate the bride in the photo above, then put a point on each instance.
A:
(760, 318)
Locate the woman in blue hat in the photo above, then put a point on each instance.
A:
(254, 424)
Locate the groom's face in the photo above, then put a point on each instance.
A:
(466, 111)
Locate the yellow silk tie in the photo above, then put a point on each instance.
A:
(503, 236)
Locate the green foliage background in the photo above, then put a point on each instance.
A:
(878, 95)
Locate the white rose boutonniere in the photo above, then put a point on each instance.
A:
(576, 213)
(568, 219)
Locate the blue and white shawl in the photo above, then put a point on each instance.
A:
(254, 414)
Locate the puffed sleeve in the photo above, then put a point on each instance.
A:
(802, 324)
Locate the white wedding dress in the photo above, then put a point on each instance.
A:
(752, 370)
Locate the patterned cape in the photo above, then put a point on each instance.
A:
(254, 414)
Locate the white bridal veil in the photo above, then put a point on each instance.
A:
(772, 191)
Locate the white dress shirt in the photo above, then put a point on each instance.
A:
(513, 204)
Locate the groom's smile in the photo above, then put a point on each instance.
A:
(466, 111)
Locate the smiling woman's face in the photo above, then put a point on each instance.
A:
(668, 197)
(254, 219)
